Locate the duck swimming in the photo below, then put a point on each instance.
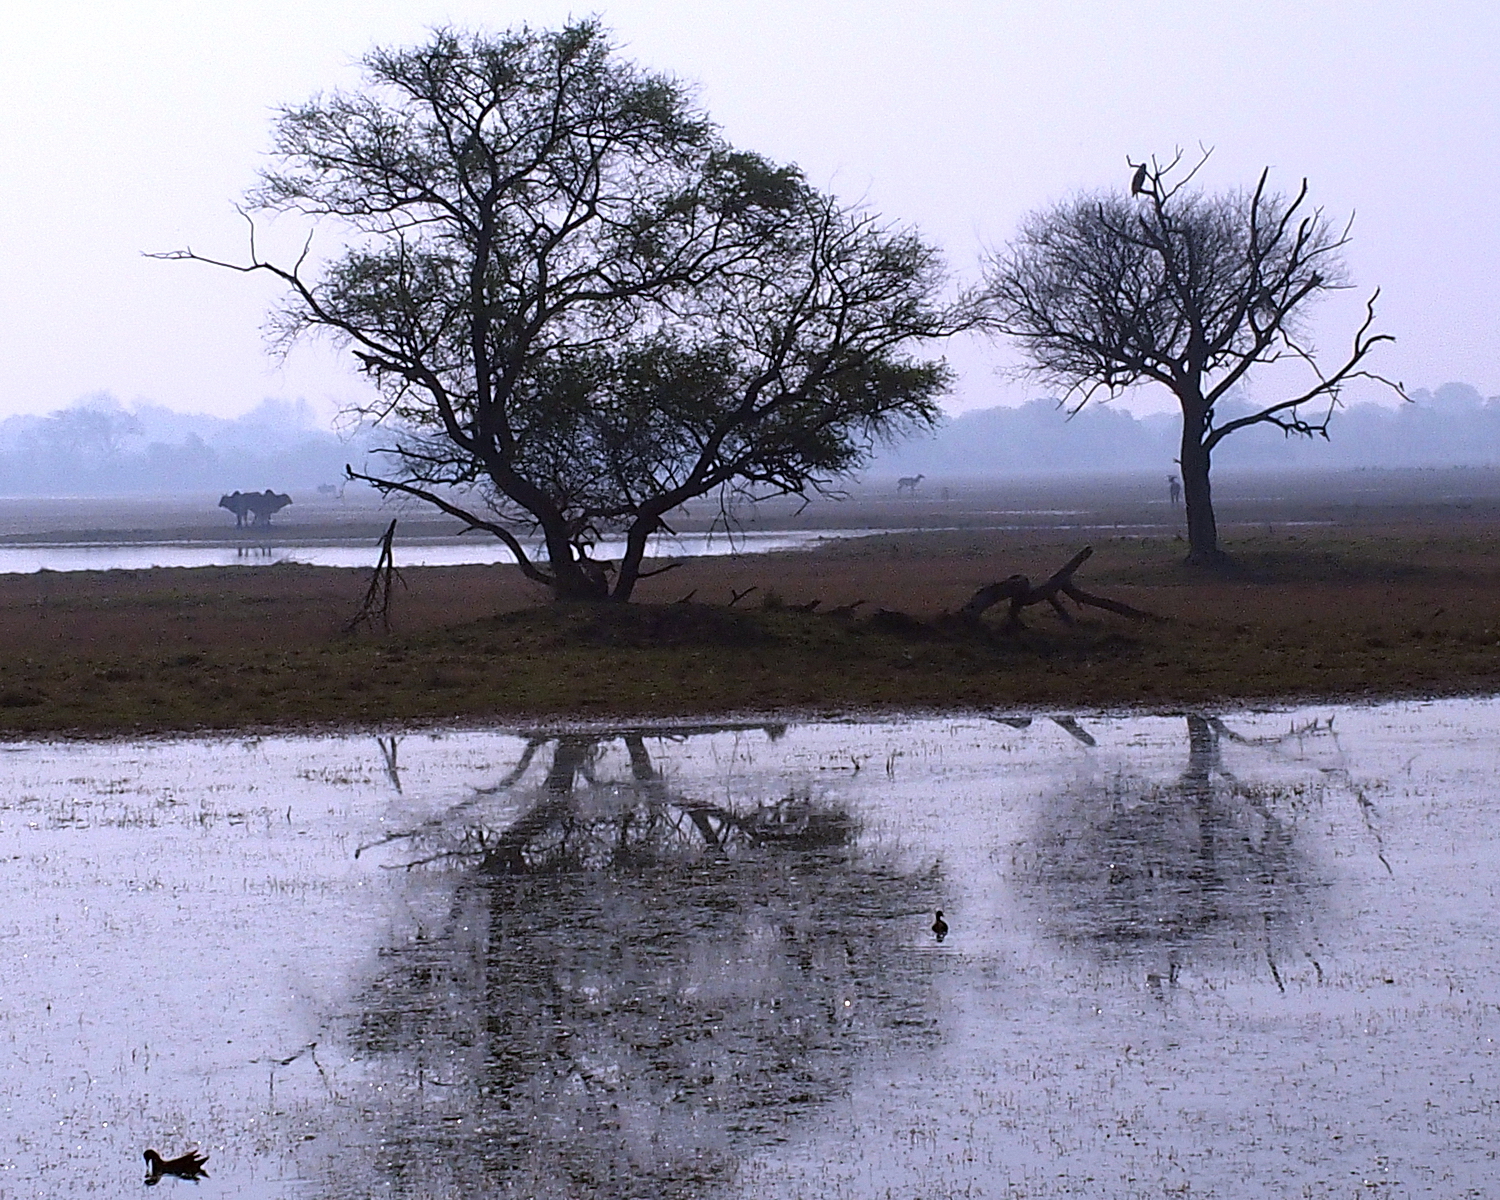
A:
(940, 926)
(184, 1166)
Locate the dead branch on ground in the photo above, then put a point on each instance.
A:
(1018, 590)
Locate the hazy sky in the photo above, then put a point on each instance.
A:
(135, 126)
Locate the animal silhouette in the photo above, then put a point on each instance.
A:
(908, 483)
(259, 506)
(940, 926)
(185, 1166)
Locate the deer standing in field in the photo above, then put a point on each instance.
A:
(908, 483)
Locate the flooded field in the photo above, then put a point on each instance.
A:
(1199, 955)
(137, 556)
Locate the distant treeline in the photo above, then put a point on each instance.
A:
(1452, 426)
(99, 447)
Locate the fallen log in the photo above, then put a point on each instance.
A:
(1018, 590)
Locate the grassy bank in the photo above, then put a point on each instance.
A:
(1394, 612)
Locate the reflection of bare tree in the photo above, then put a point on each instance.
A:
(632, 988)
(1201, 866)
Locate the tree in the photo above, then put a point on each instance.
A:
(1190, 290)
(581, 307)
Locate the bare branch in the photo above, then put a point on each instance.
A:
(513, 544)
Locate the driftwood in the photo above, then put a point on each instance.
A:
(1018, 590)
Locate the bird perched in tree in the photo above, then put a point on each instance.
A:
(185, 1166)
(1138, 182)
(940, 926)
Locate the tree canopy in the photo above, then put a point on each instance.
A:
(581, 306)
(1187, 289)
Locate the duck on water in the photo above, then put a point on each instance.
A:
(184, 1166)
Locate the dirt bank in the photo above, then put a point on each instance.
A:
(1401, 608)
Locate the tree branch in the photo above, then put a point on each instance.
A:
(528, 568)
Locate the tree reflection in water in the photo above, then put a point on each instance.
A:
(633, 987)
(1189, 873)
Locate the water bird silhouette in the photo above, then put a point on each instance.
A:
(940, 926)
(184, 1166)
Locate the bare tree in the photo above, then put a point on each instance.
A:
(581, 307)
(1191, 290)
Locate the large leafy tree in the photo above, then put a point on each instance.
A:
(1190, 290)
(581, 307)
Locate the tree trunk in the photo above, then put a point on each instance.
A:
(630, 563)
(574, 578)
(1203, 531)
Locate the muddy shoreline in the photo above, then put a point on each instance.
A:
(1350, 586)
(1326, 614)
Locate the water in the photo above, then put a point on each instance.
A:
(136, 556)
(1248, 956)
(410, 552)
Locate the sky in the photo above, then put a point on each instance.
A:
(137, 127)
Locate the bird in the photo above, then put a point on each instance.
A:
(185, 1166)
(940, 926)
(1138, 182)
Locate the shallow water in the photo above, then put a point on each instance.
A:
(1248, 956)
(134, 556)
(411, 552)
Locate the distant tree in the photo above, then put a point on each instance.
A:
(1186, 289)
(581, 307)
(87, 435)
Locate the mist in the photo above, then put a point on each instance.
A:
(100, 447)
(1453, 425)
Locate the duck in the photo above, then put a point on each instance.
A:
(940, 926)
(184, 1166)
